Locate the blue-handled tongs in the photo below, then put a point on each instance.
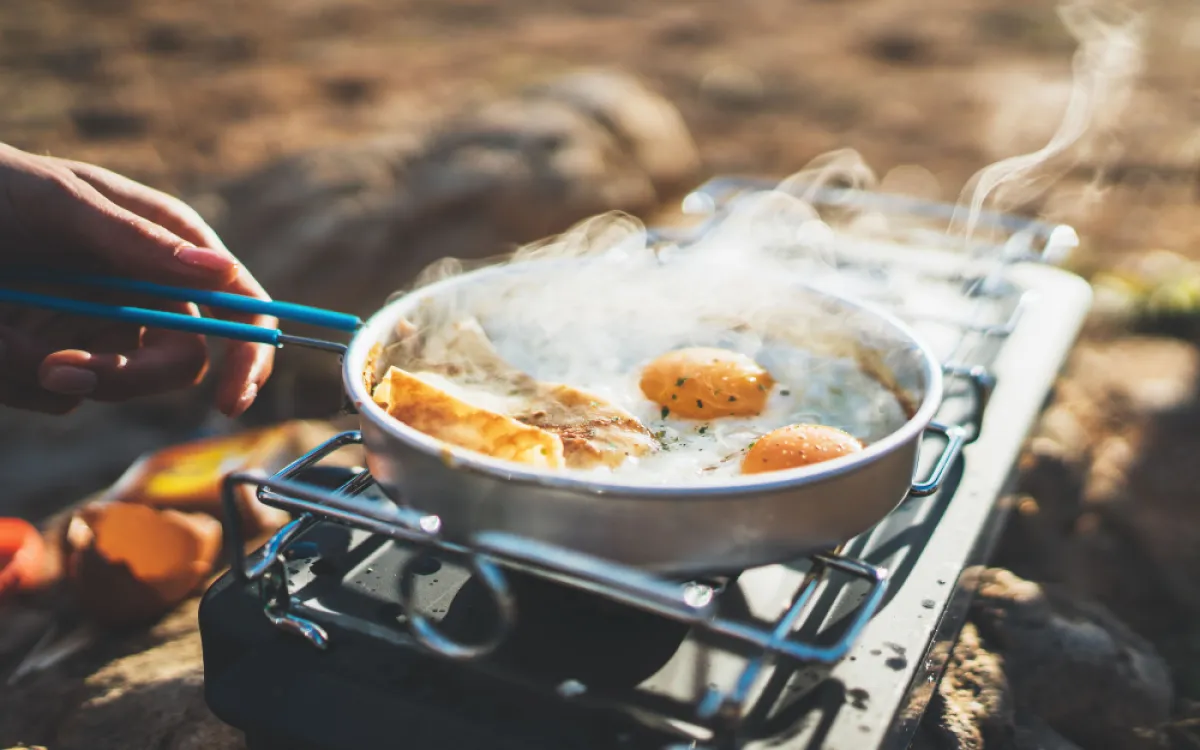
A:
(284, 311)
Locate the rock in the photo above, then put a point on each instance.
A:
(1062, 426)
(972, 707)
(1054, 477)
(1031, 733)
(1142, 374)
(346, 226)
(899, 46)
(1073, 664)
(1054, 469)
(1106, 480)
(647, 124)
(686, 27)
(151, 699)
(1031, 544)
(108, 123)
(733, 87)
(140, 691)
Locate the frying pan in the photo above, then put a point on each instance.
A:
(684, 530)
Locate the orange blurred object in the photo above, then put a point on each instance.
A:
(130, 563)
(188, 477)
(22, 556)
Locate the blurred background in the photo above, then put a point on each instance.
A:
(340, 145)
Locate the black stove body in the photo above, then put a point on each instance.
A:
(350, 629)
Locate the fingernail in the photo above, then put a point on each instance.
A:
(69, 381)
(247, 398)
(206, 259)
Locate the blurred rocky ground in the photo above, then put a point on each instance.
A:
(328, 141)
(1101, 651)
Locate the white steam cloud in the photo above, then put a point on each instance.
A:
(592, 306)
(1106, 66)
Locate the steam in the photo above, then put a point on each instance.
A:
(1105, 67)
(592, 306)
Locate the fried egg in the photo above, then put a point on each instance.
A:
(685, 416)
(487, 406)
(798, 445)
(707, 383)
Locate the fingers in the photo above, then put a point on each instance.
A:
(56, 207)
(247, 366)
(59, 211)
(120, 377)
(113, 363)
(246, 370)
(166, 361)
(163, 209)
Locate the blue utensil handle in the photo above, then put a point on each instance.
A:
(236, 302)
(142, 316)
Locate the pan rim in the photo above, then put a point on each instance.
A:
(380, 325)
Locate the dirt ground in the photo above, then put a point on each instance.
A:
(181, 94)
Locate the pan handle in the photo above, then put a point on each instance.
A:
(982, 383)
(956, 440)
(180, 322)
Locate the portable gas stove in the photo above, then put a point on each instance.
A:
(350, 631)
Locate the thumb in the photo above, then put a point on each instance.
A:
(87, 223)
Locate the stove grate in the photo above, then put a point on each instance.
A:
(692, 603)
(984, 310)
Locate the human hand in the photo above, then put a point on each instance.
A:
(62, 215)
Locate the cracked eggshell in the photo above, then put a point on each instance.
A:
(129, 563)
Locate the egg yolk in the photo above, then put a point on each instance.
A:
(798, 445)
(703, 383)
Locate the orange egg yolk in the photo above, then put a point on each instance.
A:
(704, 383)
(798, 445)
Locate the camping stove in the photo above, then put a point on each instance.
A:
(348, 631)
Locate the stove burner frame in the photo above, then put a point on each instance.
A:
(719, 713)
(692, 603)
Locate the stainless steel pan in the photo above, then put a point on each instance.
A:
(682, 530)
(689, 530)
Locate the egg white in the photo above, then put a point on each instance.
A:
(809, 389)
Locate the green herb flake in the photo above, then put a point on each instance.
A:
(674, 397)
(665, 412)
(703, 429)
(680, 382)
(733, 398)
(699, 404)
(785, 393)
